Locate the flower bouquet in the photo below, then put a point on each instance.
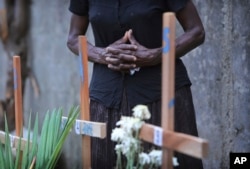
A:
(129, 147)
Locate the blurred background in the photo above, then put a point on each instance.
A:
(219, 70)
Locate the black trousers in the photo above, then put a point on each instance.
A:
(102, 150)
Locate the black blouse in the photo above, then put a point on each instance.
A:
(110, 19)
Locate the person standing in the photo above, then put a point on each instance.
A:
(127, 64)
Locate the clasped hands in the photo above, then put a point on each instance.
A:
(127, 53)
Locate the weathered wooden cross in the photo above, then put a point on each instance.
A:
(165, 136)
(18, 105)
(93, 129)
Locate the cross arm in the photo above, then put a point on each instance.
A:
(182, 143)
(93, 129)
(14, 140)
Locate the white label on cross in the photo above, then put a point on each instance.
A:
(12, 141)
(158, 132)
(63, 123)
(78, 127)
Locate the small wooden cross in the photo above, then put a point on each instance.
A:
(18, 95)
(165, 136)
(18, 107)
(90, 126)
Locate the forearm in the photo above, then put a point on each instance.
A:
(194, 33)
(188, 41)
(78, 27)
(94, 53)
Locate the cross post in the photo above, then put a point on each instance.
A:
(18, 94)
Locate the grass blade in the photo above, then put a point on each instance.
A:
(8, 148)
(34, 148)
(2, 159)
(18, 153)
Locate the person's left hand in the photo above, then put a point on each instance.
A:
(144, 56)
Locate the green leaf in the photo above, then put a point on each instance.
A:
(34, 148)
(2, 159)
(8, 149)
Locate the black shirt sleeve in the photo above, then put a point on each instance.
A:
(79, 7)
(176, 5)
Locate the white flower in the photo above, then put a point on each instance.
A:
(130, 124)
(144, 158)
(118, 134)
(129, 144)
(155, 156)
(141, 112)
(118, 147)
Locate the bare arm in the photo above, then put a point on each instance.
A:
(78, 26)
(194, 33)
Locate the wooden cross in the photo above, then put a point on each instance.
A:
(90, 126)
(165, 136)
(18, 106)
(14, 139)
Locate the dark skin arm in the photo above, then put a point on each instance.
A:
(194, 33)
(192, 37)
(79, 25)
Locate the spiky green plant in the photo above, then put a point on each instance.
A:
(42, 152)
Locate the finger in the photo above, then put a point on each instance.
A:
(131, 38)
(124, 39)
(121, 49)
(121, 67)
(127, 58)
(125, 66)
(113, 60)
(121, 58)
(129, 47)
(112, 50)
